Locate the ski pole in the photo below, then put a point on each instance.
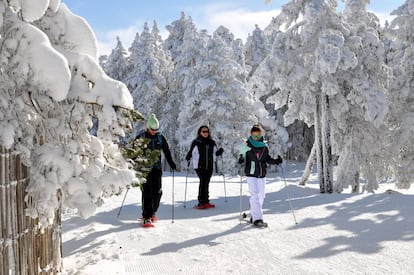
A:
(287, 193)
(241, 190)
(119, 212)
(186, 177)
(172, 205)
(224, 179)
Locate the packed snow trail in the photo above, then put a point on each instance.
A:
(335, 234)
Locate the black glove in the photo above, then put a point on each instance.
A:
(241, 159)
(279, 160)
(188, 157)
(219, 152)
(173, 166)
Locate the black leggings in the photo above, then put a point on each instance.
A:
(151, 193)
(204, 176)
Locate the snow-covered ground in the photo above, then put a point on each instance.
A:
(336, 233)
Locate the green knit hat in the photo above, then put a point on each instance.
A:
(152, 122)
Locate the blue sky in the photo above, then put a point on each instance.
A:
(124, 18)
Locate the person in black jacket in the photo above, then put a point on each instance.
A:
(202, 151)
(255, 155)
(152, 189)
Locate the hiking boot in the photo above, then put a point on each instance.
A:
(147, 223)
(259, 223)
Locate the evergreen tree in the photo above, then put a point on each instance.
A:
(322, 72)
(92, 94)
(52, 89)
(150, 66)
(218, 98)
(186, 45)
(236, 49)
(359, 132)
(256, 49)
(401, 118)
(116, 66)
(134, 55)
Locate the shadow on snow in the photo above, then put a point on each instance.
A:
(367, 220)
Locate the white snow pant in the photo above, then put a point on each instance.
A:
(257, 195)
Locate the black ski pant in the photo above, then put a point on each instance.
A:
(151, 193)
(204, 176)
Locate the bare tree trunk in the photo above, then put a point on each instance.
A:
(326, 143)
(309, 165)
(356, 186)
(23, 248)
(318, 150)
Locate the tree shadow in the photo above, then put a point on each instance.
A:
(364, 223)
(388, 218)
(203, 240)
(88, 241)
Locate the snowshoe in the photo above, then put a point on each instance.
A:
(259, 224)
(204, 206)
(153, 219)
(210, 205)
(244, 217)
(147, 223)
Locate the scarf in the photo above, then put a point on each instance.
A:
(257, 143)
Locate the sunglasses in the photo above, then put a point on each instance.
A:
(155, 130)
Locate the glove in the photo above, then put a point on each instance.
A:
(173, 166)
(219, 152)
(188, 157)
(241, 159)
(279, 160)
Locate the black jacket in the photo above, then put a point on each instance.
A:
(256, 161)
(203, 158)
(159, 142)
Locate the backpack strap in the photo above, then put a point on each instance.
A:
(159, 136)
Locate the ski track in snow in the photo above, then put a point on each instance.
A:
(336, 233)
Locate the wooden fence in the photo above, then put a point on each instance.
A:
(24, 249)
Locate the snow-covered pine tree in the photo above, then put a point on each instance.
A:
(256, 49)
(360, 107)
(116, 65)
(91, 162)
(166, 64)
(282, 77)
(150, 65)
(51, 88)
(401, 118)
(275, 133)
(103, 61)
(134, 53)
(308, 63)
(218, 98)
(185, 45)
(301, 136)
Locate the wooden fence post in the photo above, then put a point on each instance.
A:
(24, 250)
